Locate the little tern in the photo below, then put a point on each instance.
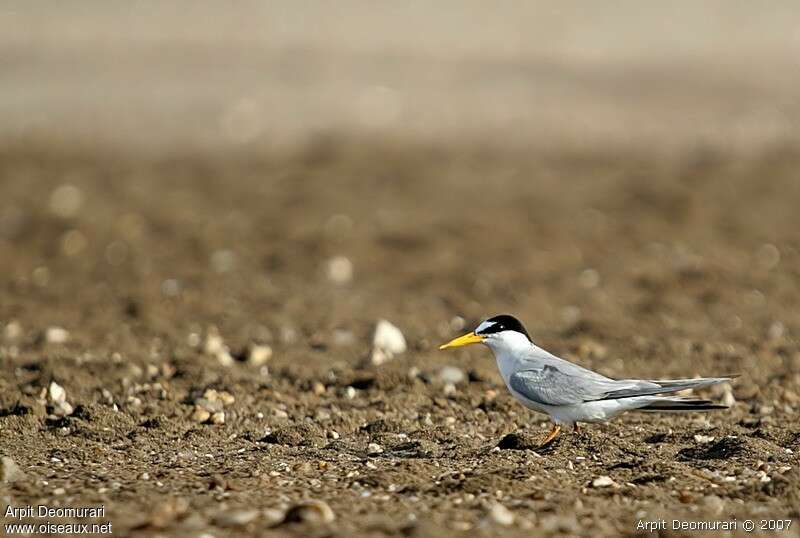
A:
(569, 393)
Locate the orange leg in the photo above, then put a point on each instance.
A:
(552, 435)
(576, 428)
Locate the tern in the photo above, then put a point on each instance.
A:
(569, 393)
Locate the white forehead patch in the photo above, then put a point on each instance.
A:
(484, 325)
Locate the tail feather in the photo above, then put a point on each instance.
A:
(664, 386)
(677, 404)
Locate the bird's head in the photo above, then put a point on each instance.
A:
(502, 331)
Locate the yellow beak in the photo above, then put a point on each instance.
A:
(467, 339)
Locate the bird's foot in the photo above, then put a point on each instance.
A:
(550, 436)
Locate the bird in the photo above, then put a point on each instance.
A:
(571, 394)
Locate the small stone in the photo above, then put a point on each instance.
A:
(311, 512)
(56, 335)
(214, 343)
(728, 398)
(343, 338)
(387, 342)
(218, 417)
(63, 409)
(589, 278)
(10, 472)
(704, 438)
(374, 449)
(225, 358)
(340, 270)
(152, 371)
(768, 256)
(603, 482)
(171, 287)
(318, 388)
(451, 375)
(501, 515)
(235, 518)
(223, 261)
(212, 406)
(259, 354)
(350, 393)
(713, 503)
(12, 330)
(56, 393)
(66, 200)
(193, 339)
(200, 414)
(776, 331)
(59, 491)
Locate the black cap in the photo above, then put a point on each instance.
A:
(500, 323)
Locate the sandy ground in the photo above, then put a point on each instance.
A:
(189, 185)
(635, 264)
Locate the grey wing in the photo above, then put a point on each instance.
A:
(550, 386)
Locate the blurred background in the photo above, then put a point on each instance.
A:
(202, 195)
(212, 76)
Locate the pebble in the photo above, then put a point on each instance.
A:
(214, 346)
(704, 438)
(56, 335)
(340, 270)
(387, 342)
(589, 278)
(374, 449)
(66, 200)
(223, 396)
(342, 338)
(212, 406)
(776, 331)
(728, 398)
(713, 503)
(12, 330)
(311, 512)
(791, 396)
(200, 414)
(603, 482)
(10, 472)
(223, 260)
(218, 417)
(235, 518)
(56, 393)
(259, 354)
(452, 375)
(63, 409)
(501, 515)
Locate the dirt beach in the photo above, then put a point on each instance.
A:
(207, 322)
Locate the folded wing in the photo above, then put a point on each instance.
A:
(550, 386)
